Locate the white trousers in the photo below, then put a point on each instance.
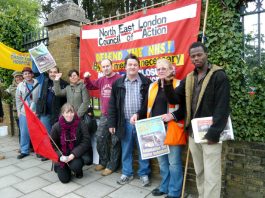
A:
(207, 164)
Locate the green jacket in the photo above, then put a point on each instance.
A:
(76, 95)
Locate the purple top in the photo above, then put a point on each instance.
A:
(104, 84)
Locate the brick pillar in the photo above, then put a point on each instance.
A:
(64, 32)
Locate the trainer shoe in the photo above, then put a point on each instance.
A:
(145, 181)
(106, 172)
(124, 179)
(99, 167)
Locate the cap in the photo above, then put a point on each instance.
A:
(16, 73)
(28, 69)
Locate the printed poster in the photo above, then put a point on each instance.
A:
(200, 127)
(42, 58)
(151, 135)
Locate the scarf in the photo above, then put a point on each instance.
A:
(68, 131)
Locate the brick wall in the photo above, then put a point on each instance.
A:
(63, 45)
(243, 170)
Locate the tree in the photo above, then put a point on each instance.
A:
(96, 10)
(17, 17)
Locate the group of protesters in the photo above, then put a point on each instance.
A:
(124, 100)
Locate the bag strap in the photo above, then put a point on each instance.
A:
(30, 91)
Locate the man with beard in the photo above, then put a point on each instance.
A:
(49, 105)
(108, 145)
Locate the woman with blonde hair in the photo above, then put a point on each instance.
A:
(156, 104)
(71, 136)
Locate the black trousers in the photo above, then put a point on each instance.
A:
(64, 174)
(108, 146)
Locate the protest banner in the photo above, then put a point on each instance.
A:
(42, 58)
(13, 59)
(164, 32)
(151, 136)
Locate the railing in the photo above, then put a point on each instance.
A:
(33, 39)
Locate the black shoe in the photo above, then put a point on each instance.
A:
(171, 197)
(79, 175)
(44, 159)
(157, 192)
(22, 155)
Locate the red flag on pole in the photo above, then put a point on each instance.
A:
(39, 135)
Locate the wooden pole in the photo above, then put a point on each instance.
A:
(205, 19)
(188, 150)
(185, 172)
(56, 147)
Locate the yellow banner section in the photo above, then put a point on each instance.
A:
(13, 59)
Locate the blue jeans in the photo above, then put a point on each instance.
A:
(46, 122)
(171, 172)
(24, 135)
(127, 145)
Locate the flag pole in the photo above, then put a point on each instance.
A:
(56, 146)
(188, 150)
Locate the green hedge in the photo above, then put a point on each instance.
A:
(225, 44)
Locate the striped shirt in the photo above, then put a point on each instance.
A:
(132, 97)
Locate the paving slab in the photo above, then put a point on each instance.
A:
(32, 178)
(28, 163)
(89, 176)
(95, 190)
(31, 184)
(71, 195)
(7, 170)
(111, 180)
(10, 192)
(9, 180)
(59, 189)
(137, 182)
(7, 162)
(38, 194)
(47, 165)
(129, 191)
(50, 176)
(30, 172)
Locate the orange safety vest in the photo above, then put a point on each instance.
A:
(173, 128)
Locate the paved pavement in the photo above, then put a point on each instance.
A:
(32, 178)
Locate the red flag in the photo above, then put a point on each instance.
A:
(39, 135)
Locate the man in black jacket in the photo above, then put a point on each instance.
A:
(49, 105)
(127, 96)
(205, 92)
